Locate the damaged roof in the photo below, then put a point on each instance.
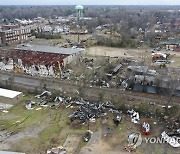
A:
(140, 69)
(50, 49)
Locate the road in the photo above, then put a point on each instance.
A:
(28, 82)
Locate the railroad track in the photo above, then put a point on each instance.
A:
(28, 82)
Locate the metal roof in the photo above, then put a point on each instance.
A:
(140, 69)
(9, 93)
(117, 68)
(50, 49)
(169, 42)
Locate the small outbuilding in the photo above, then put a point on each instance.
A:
(172, 45)
(9, 97)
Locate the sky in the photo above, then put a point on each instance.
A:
(90, 2)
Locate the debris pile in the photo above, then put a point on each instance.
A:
(100, 82)
(134, 116)
(117, 119)
(146, 128)
(90, 112)
(58, 150)
(44, 94)
(66, 74)
(173, 141)
(87, 136)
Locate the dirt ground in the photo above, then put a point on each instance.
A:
(135, 54)
(53, 42)
(71, 143)
(119, 52)
(115, 140)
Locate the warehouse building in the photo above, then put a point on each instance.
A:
(39, 60)
(68, 54)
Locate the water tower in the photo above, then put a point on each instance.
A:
(79, 11)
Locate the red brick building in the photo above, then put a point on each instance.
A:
(14, 34)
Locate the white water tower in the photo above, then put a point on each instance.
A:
(79, 11)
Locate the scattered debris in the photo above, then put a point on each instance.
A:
(152, 103)
(155, 123)
(58, 150)
(178, 131)
(66, 74)
(28, 104)
(59, 99)
(86, 60)
(5, 111)
(88, 111)
(116, 69)
(117, 119)
(100, 82)
(87, 136)
(38, 109)
(173, 141)
(44, 94)
(134, 116)
(146, 128)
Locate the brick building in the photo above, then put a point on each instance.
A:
(14, 34)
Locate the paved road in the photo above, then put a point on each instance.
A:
(31, 82)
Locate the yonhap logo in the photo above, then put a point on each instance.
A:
(135, 139)
(174, 141)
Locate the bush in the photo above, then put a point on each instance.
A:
(124, 43)
(46, 36)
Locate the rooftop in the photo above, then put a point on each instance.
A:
(9, 93)
(15, 29)
(169, 42)
(50, 49)
(140, 69)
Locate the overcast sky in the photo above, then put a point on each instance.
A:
(90, 2)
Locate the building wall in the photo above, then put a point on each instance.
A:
(73, 57)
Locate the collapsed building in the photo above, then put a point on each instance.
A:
(38, 60)
(142, 78)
